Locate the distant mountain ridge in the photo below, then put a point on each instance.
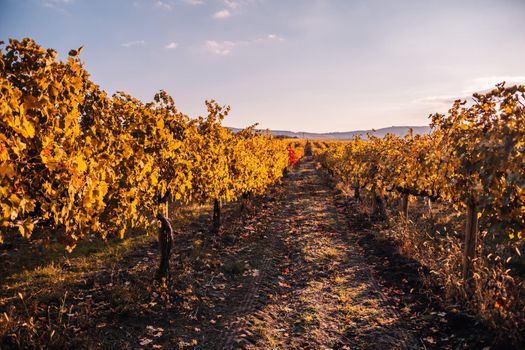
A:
(347, 135)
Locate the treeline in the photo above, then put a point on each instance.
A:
(77, 161)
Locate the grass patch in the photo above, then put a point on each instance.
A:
(357, 306)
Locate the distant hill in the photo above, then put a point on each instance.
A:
(346, 135)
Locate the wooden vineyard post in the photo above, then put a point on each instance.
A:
(165, 242)
(471, 236)
(216, 216)
(404, 206)
(378, 205)
(374, 202)
(357, 194)
(245, 201)
(167, 208)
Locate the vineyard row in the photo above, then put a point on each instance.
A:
(77, 161)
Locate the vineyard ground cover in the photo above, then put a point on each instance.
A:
(301, 269)
(25, 260)
(446, 327)
(43, 275)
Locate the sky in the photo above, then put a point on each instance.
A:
(300, 65)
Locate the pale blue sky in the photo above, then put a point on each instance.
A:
(302, 65)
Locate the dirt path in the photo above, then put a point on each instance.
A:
(308, 286)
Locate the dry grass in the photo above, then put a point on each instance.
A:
(497, 294)
(358, 306)
(38, 305)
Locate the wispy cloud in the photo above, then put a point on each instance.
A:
(222, 14)
(233, 4)
(275, 37)
(57, 4)
(481, 84)
(164, 5)
(194, 2)
(171, 46)
(486, 83)
(225, 48)
(233, 7)
(133, 43)
(230, 7)
(436, 100)
(222, 48)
